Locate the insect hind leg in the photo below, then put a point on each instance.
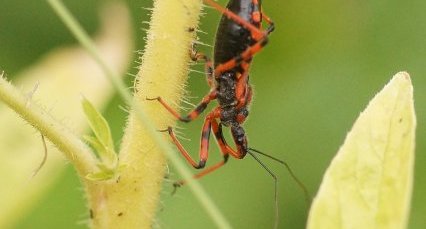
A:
(224, 149)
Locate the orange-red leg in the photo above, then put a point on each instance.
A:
(225, 150)
(194, 113)
(203, 173)
(243, 90)
(217, 127)
(204, 142)
(247, 55)
(257, 34)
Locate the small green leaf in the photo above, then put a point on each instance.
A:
(369, 182)
(105, 172)
(97, 123)
(103, 142)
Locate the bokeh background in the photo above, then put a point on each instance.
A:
(323, 64)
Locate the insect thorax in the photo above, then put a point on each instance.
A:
(226, 96)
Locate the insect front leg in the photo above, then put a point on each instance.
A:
(204, 142)
(243, 90)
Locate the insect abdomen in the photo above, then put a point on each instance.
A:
(231, 37)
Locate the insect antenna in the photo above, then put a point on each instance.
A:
(290, 171)
(275, 187)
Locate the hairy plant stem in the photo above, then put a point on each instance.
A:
(131, 202)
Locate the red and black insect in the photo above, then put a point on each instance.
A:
(239, 37)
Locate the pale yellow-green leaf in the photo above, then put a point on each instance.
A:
(369, 182)
(62, 76)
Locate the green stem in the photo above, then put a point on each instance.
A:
(89, 45)
(74, 149)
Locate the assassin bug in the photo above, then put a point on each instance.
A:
(239, 37)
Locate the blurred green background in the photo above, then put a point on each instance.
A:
(323, 64)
